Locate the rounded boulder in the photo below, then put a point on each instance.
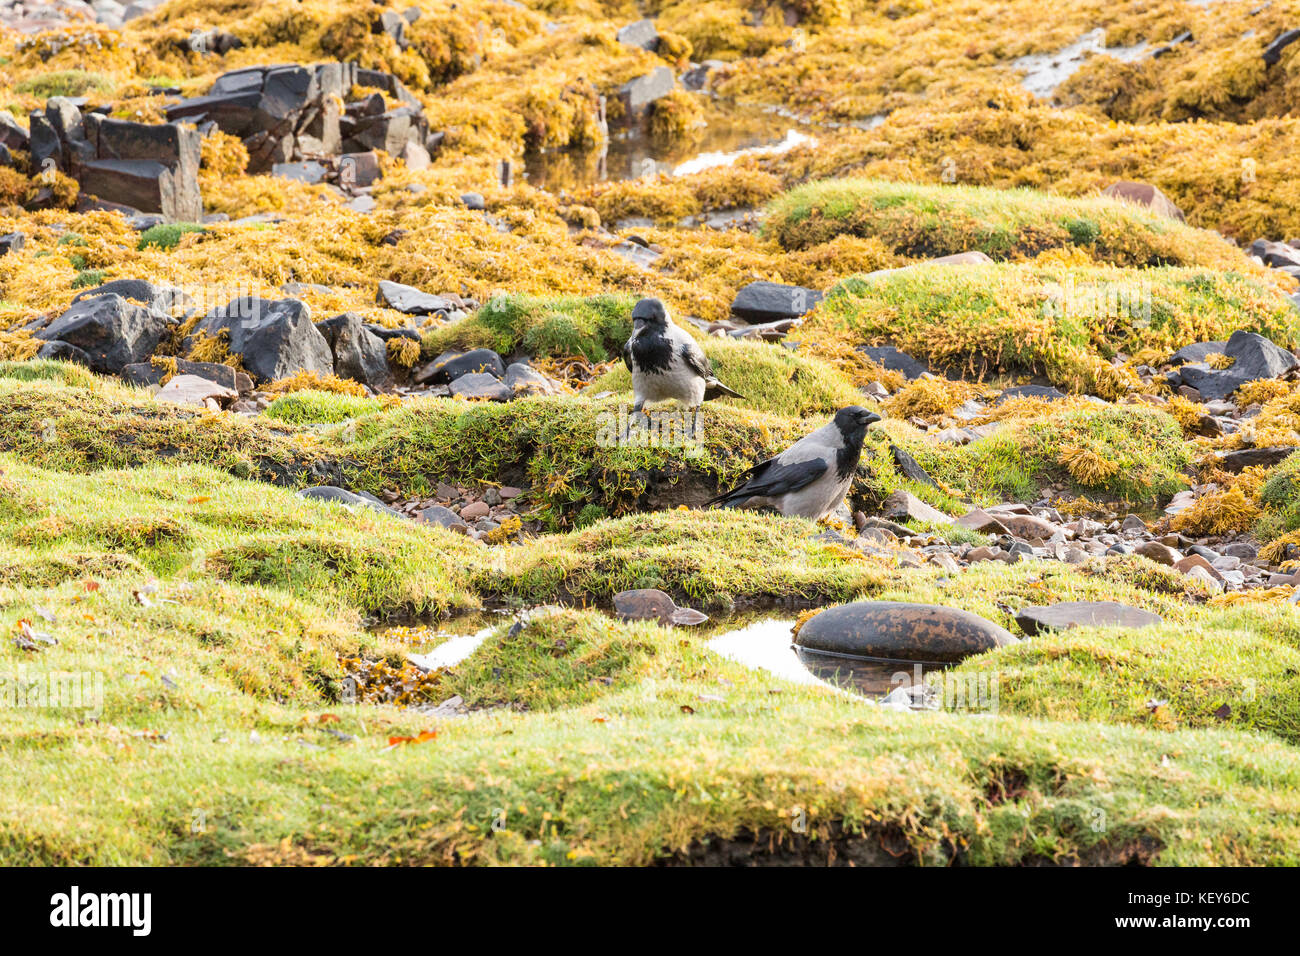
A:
(895, 630)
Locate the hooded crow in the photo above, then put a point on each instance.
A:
(665, 362)
(810, 478)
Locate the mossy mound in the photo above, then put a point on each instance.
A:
(1064, 323)
(594, 327)
(929, 221)
(1127, 453)
(312, 407)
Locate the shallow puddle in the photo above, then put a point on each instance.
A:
(728, 135)
(768, 645)
(451, 651)
(1044, 72)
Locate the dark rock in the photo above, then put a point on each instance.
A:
(910, 467)
(1029, 391)
(638, 94)
(650, 604)
(146, 373)
(412, 301)
(1255, 358)
(898, 631)
(307, 171)
(888, 357)
(980, 520)
(771, 301)
(1196, 352)
(641, 34)
(63, 351)
(275, 338)
(1068, 614)
(359, 354)
(111, 331)
(522, 379)
(12, 134)
(1236, 461)
(437, 514)
(481, 385)
(473, 201)
(152, 167)
(449, 366)
(386, 333)
(359, 169)
(11, 242)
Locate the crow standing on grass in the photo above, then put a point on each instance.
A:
(810, 478)
(666, 363)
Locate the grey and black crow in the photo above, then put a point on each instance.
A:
(810, 478)
(666, 363)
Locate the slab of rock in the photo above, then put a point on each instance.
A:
(980, 520)
(772, 301)
(481, 386)
(437, 514)
(910, 467)
(11, 242)
(146, 373)
(651, 604)
(1068, 614)
(1028, 526)
(641, 34)
(888, 357)
(903, 504)
(522, 379)
(899, 631)
(1160, 553)
(449, 366)
(1255, 358)
(111, 331)
(638, 94)
(1242, 458)
(412, 301)
(330, 493)
(358, 353)
(275, 338)
(1145, 195)
(192, 390)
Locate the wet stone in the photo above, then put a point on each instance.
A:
(901, 631)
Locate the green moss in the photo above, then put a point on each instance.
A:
(312, 407)
(1066, 324)
(1244, 672)
(46, 370)
(927, 221)
(1127, 453)
(65, 83)
(595, 327)
(87, 278)
(564, 660)
(166, 235)
(1281, 495)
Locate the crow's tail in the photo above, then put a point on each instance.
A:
(715, 389)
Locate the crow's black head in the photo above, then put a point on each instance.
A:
(649, 313)
(852, 421)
